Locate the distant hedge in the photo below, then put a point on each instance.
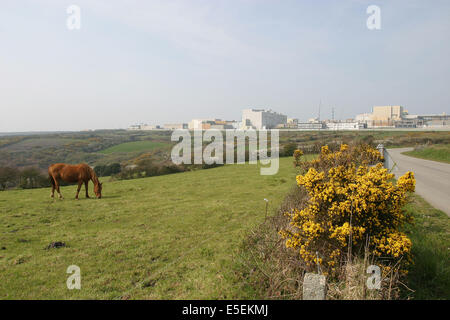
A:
(107, 170)
(26, 178)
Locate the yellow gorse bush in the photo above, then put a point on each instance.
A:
(297, 155)
(349, 200)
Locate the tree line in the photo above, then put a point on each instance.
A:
(26, 178)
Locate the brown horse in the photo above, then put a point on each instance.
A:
(80, 173)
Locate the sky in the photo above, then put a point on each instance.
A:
(166, 61)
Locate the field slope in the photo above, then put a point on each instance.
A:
(438, 152)
(166, 237)
(142, 146)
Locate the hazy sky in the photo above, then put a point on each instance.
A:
(171, 61)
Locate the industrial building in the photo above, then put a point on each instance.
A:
(398, 117)
(204, 124)
(344, 125)
(311, 125)
(434, 120)
(382, 116)
(175, 126)
(262, 119)
(143, 126)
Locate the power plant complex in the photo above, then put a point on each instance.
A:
(381, 117)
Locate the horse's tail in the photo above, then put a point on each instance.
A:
(50, 176)
(51, 179)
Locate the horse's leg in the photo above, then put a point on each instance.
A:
(79, 188)
(57, 189)
(53, 187)
(86, 184)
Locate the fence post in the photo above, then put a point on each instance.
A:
(384, 154)
(314, 287)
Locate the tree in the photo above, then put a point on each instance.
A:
(33, 178)
(100, 170)
(289, 149)
(114, 168)
(107, 170)
(8, 177)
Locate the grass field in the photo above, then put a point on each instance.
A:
(134, 146)
(41, 143)
(166, 237)
(429, 276)
(438, 152)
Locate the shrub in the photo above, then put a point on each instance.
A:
(26, 178)
(289, 149)
(8, 177)
(144, 166)
(361, 154)
(33, 178)
(100, 170)
(107, 170)
(350, 206)
(297, 156)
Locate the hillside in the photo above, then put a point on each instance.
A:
(166, 237)
(102, 147)
(136, 146)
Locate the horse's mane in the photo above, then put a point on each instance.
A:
(93, 175)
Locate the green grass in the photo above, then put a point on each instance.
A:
(166, 237)
(438, 152)
(134, 146)
(41, 142)
(429, 276)
(169, 237)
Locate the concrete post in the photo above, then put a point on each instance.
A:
(383, 152)
(314, 287)
(380, 149)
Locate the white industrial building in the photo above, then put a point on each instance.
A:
(262, 119)
(175, 126)
(143, 126)
(340, 125)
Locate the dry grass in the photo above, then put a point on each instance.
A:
(351, 283)
(276, 272)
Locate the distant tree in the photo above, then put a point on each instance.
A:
(100, 170)
(8, 177)
(33, 178)
(289, 149)
(114, 168)
(107, 170)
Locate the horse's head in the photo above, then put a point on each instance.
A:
(98, 190)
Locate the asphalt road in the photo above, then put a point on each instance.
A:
(432, 177)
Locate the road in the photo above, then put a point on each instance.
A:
(432, 177)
